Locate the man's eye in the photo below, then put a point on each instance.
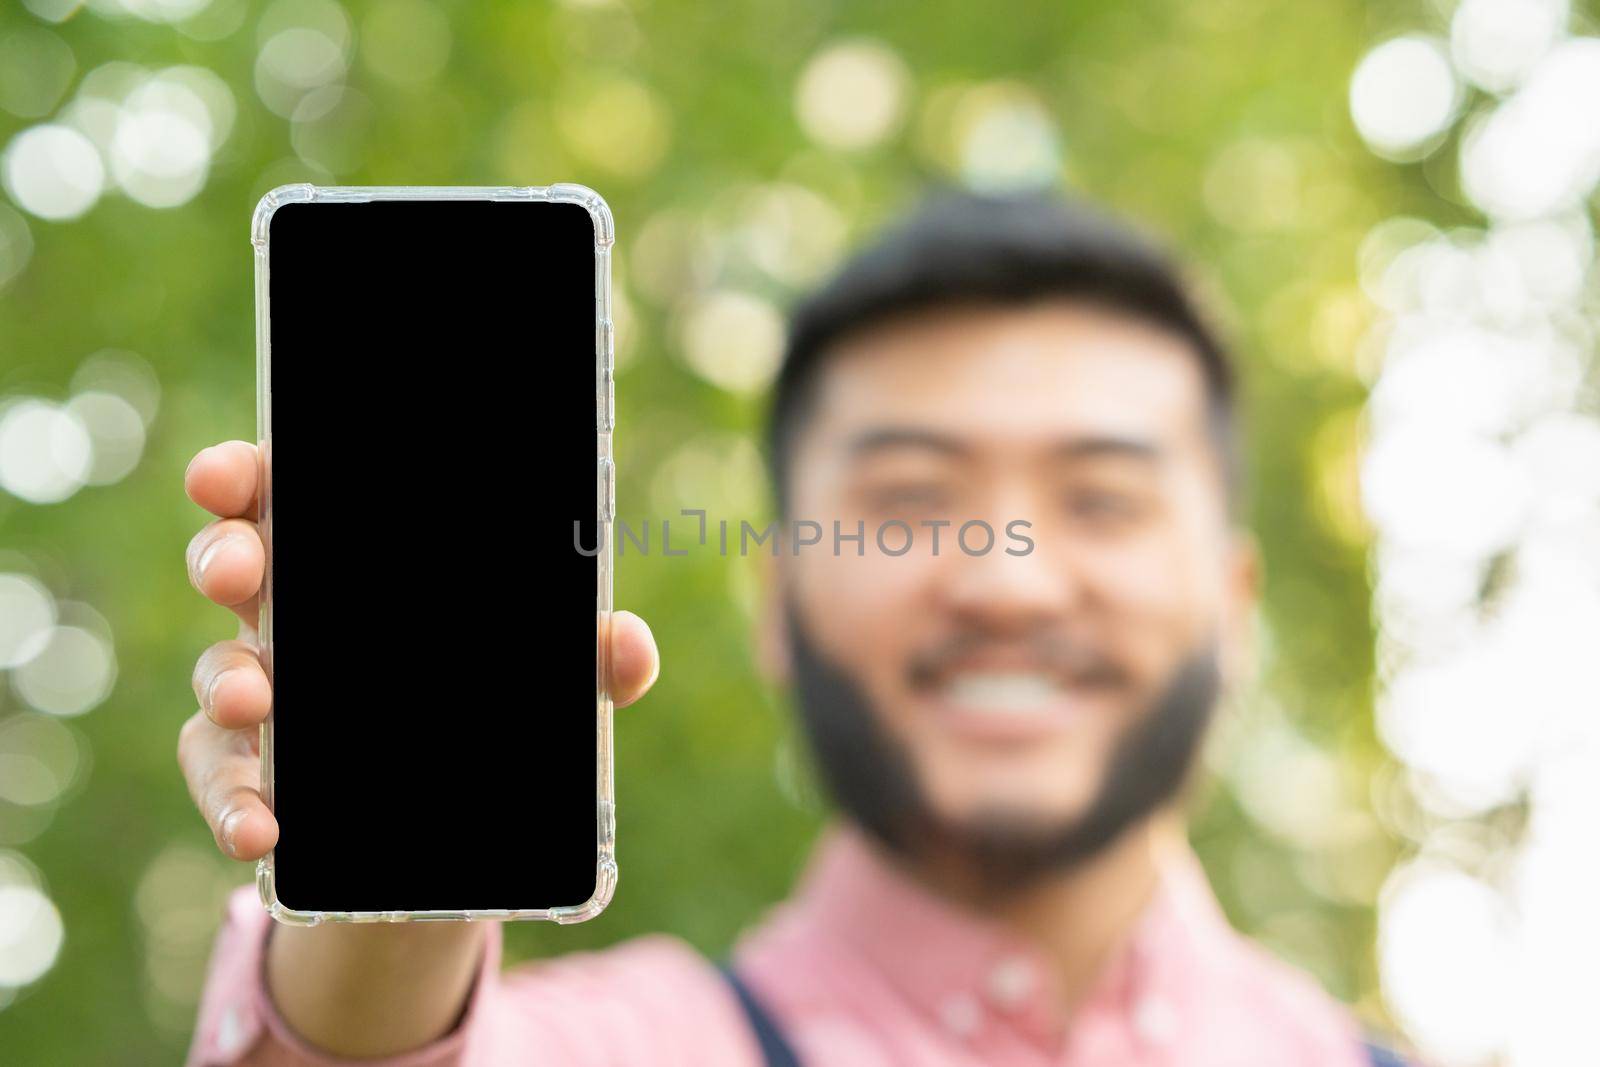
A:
(909, 498)
(1098, 505)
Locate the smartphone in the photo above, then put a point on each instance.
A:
(434, 382)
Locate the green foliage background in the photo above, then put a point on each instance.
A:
(1221, 124)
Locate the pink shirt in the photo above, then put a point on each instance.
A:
(861, 967)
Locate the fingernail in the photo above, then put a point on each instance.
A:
(211, 688)
(209, 556)
(655, 671)
(230, 827)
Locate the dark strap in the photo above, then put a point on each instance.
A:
(1381, 1055)
(775, 1050)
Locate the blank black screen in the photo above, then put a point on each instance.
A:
(433, 441)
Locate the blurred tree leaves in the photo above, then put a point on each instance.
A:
(1221, 125)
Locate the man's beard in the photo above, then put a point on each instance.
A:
(871, 777)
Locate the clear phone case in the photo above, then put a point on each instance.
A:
(604, 239)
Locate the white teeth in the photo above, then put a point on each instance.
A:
(1003, 692)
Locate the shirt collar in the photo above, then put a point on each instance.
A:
(964, 968)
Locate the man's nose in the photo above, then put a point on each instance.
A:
(1012, 591)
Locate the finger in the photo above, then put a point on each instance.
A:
(222, 479)
(226, 561)
(223, 771)
(232, 688)
(635, 662)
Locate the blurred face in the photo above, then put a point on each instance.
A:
(1007, 696)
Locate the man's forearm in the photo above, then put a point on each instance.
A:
(378, 989)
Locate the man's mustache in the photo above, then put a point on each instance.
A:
(1073, 661)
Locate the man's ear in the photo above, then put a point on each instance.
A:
(772, 623)
(1241, 613)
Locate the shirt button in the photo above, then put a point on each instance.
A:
(1011, 981)
(960, 1015)
(1156, 1021)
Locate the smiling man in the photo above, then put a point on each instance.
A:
(1006, 733)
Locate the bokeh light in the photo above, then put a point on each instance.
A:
(1403, 95)
(672, 255)
(852, 94)
(45, 451)
(49, 451)
(116, 435)
(1445, 961)
(39, 759)
(1289, 785)
(72, 673)
(53, 10)
(992, 135)
(722, 473)
(216, 21)
(1482, 477)
(1495, 43)
(1538, 152)
(732, 339)
(305, 45)
(27, 612)
(177, 901)
(1006, 138)
(789, 232)
(160, 154)
(615, 124)
(53, 171)
(1257, 184)
(124, 374)
(157, 130)
(30, 934)
(329, 128)
(151, 10)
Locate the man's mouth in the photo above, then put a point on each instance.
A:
(1010, 704)
(1014, 691)
(1008, 692)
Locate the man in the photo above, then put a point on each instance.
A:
(1005, 724)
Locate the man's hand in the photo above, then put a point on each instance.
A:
(355, 990)
(217, 747)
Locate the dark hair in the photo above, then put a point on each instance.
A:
(962, 247)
